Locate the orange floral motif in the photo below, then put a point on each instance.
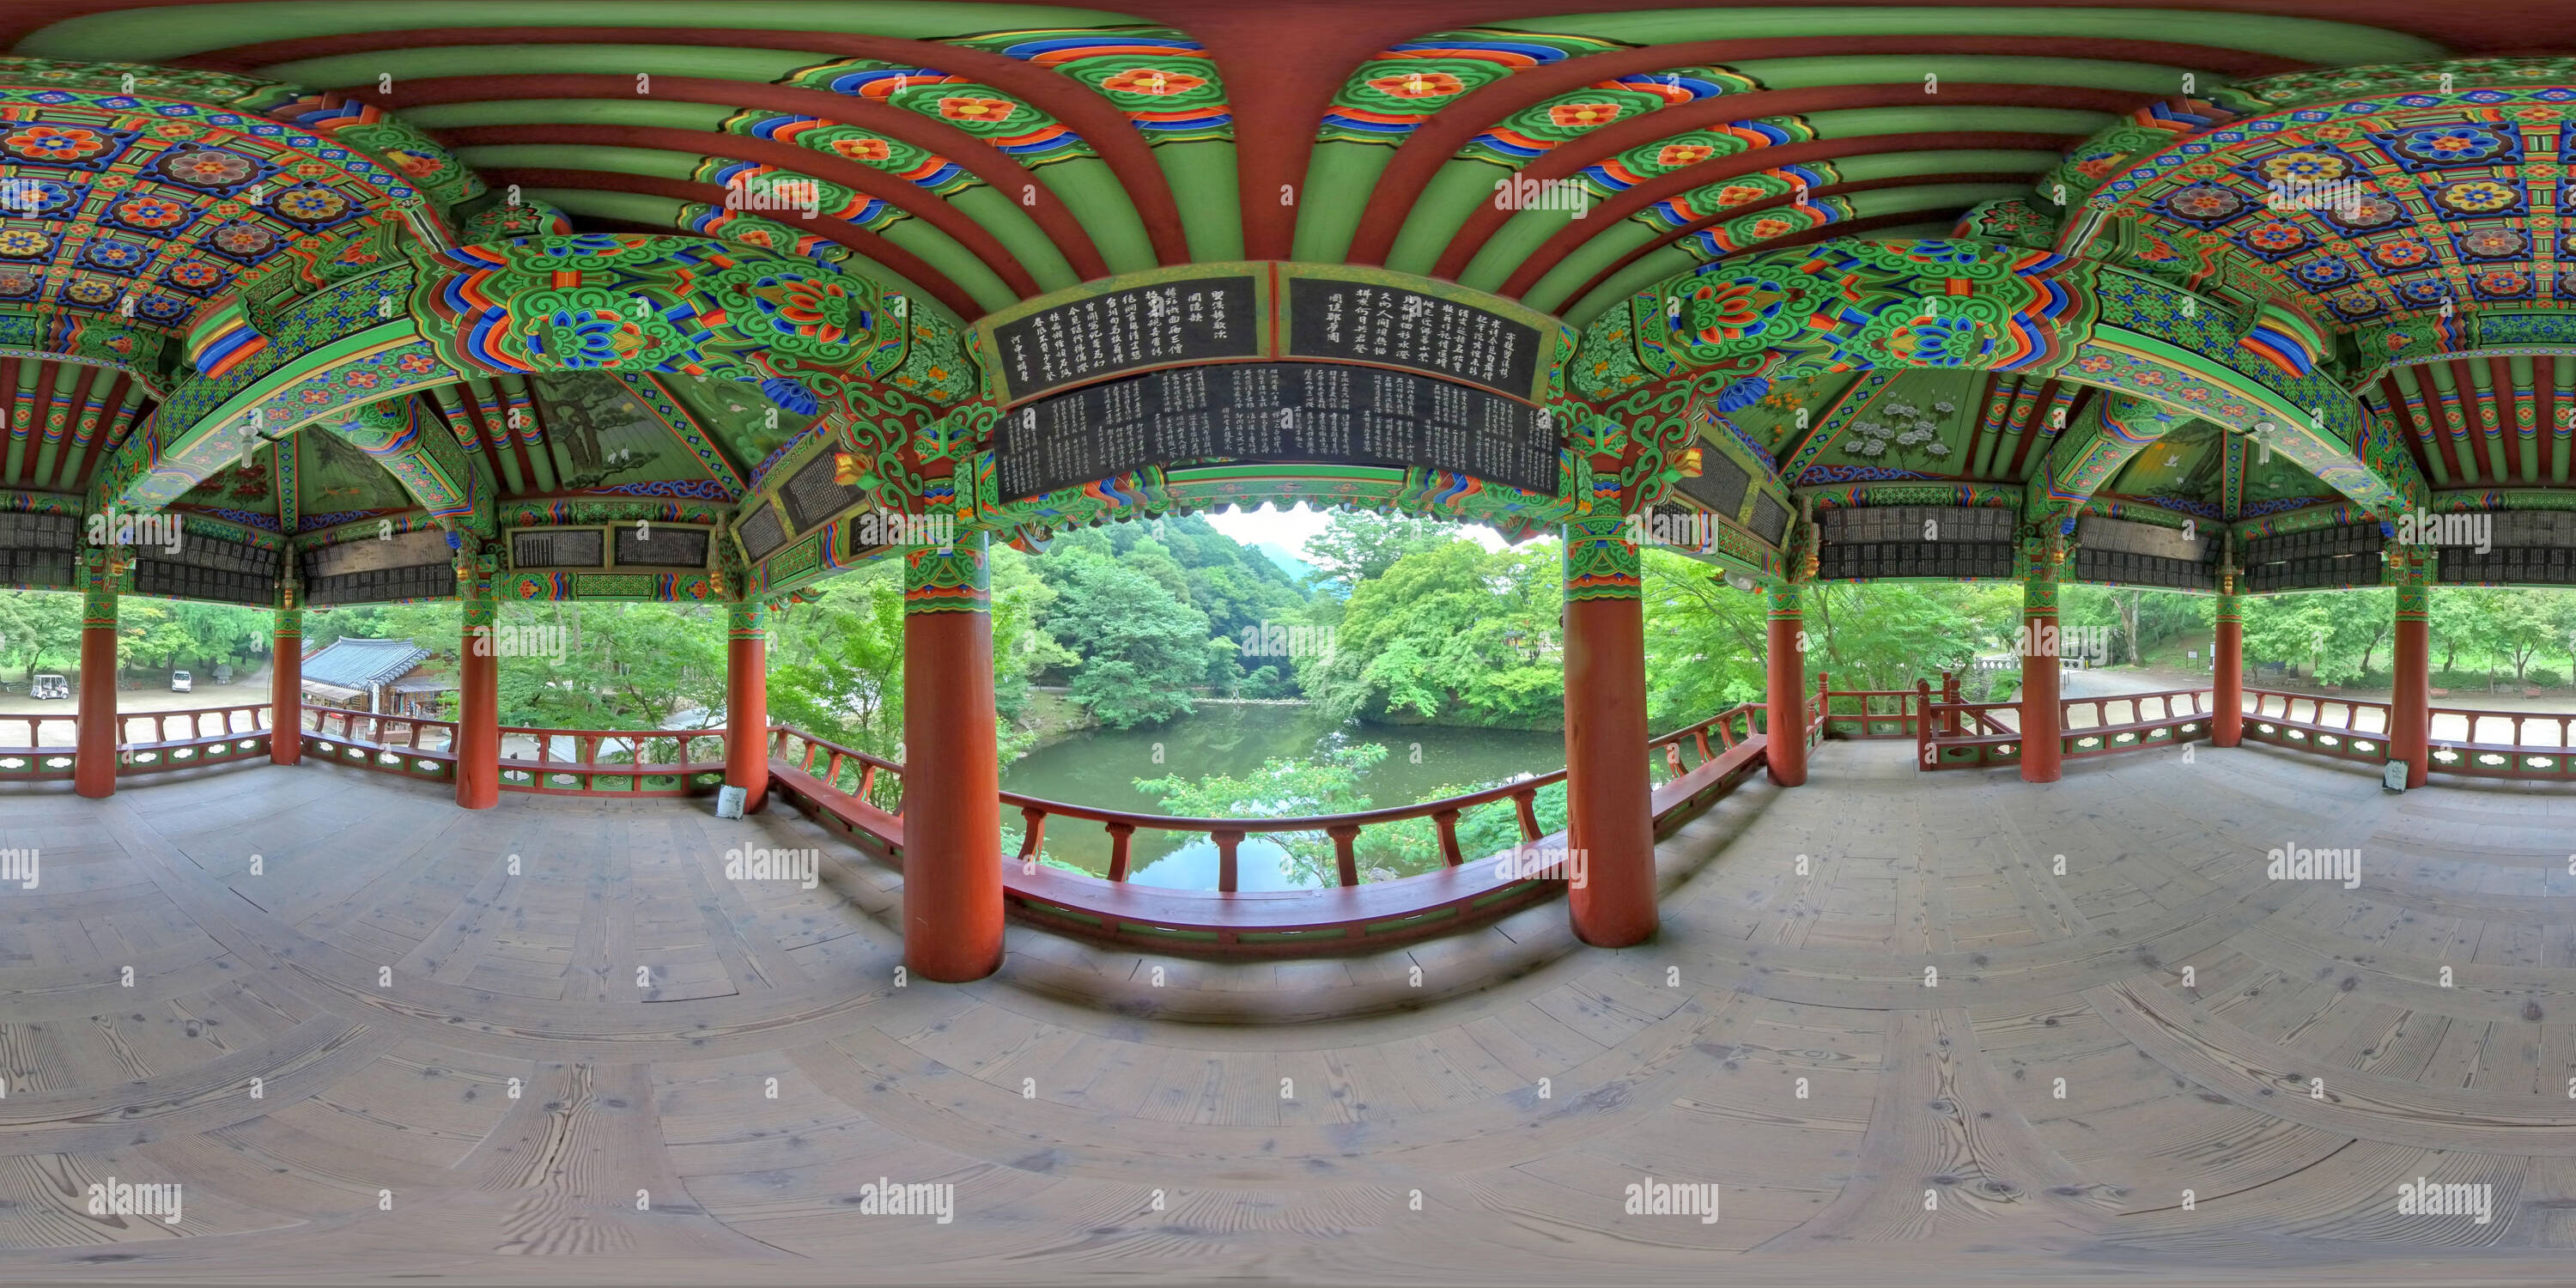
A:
(863, 149)
(1583, 116)
(1682, 154)
(990, 110)
(1152, 80)
(1418, 85)
(45, 143)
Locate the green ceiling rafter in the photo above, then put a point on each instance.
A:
(1468, 180)
(1034, 139)
(2317, 40)
(1750, 231)
(1529, 230)
(934, 247)
(422, 455)
(2113, 431)
(804, 335)
(925, 170)
(165, 34)
(1743, 327)
(685, 216)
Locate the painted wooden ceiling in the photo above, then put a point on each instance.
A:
(975, 155)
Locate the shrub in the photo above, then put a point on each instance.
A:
(2542, 678)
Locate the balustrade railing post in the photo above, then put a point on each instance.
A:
(1227, 841)
(1922, 724)
(1526, 803)
(1119, 836)
(1034, 834)
(1447, 821)
(1346, 866)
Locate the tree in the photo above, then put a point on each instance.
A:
(1141, 651)
(1705, 640)
(1282, 788)
(1357, 546)
(38, 627)
(1450, 634)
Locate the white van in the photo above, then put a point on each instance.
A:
(181, 682)
(49, 686)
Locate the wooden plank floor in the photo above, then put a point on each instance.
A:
(1946, 1027)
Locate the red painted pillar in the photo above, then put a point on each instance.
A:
(747, 704)
(286, 689)
(1785, 748)
(952, 781)
(2040, 747)
(95, 733)
(2227, 675)
(2410, 715)
(1608, 794)
(478, 694)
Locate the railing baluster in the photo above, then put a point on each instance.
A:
(1227, 840)
(1033, 837)
(1701, 735)
(1526, 803)
(1119, 835)
(1447, 821)
(1346, 864)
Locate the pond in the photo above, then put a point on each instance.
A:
(1099, 767)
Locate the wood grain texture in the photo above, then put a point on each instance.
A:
(617, 1065)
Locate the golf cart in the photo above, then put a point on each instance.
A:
(49, 686)
(182, 682)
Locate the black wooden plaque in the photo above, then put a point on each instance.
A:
(1198, 320)
(1273, 412)
(1390, 326)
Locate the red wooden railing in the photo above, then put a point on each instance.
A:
(185, 739)
(32, 755)
(405, 745)
(613, 762)
(1867, 714)
(1971, 735)
(861, 795)
(2519, 755)
(2274, 717)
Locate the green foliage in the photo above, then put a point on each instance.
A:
(1888, 635)
(1141, 650)
(1450, 634)
(183, 633)
(39, 631)
(1357, 546)
(1706, 641)
(624, 666)
(1284, 787)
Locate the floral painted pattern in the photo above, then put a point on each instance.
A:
(53, 143)
(985, 110)
(1419, 85)
(207, 167)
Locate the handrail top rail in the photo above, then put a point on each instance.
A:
(2157, 693)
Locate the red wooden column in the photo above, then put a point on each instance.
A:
(286, 689)
(1608, 795)
(2227, 677)
(2043, 557)
(952, 780)
(94, 736)
(478, 691)
(2410, 715)
(1785, 747)
(747, 704)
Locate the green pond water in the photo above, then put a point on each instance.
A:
(1099, 768)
